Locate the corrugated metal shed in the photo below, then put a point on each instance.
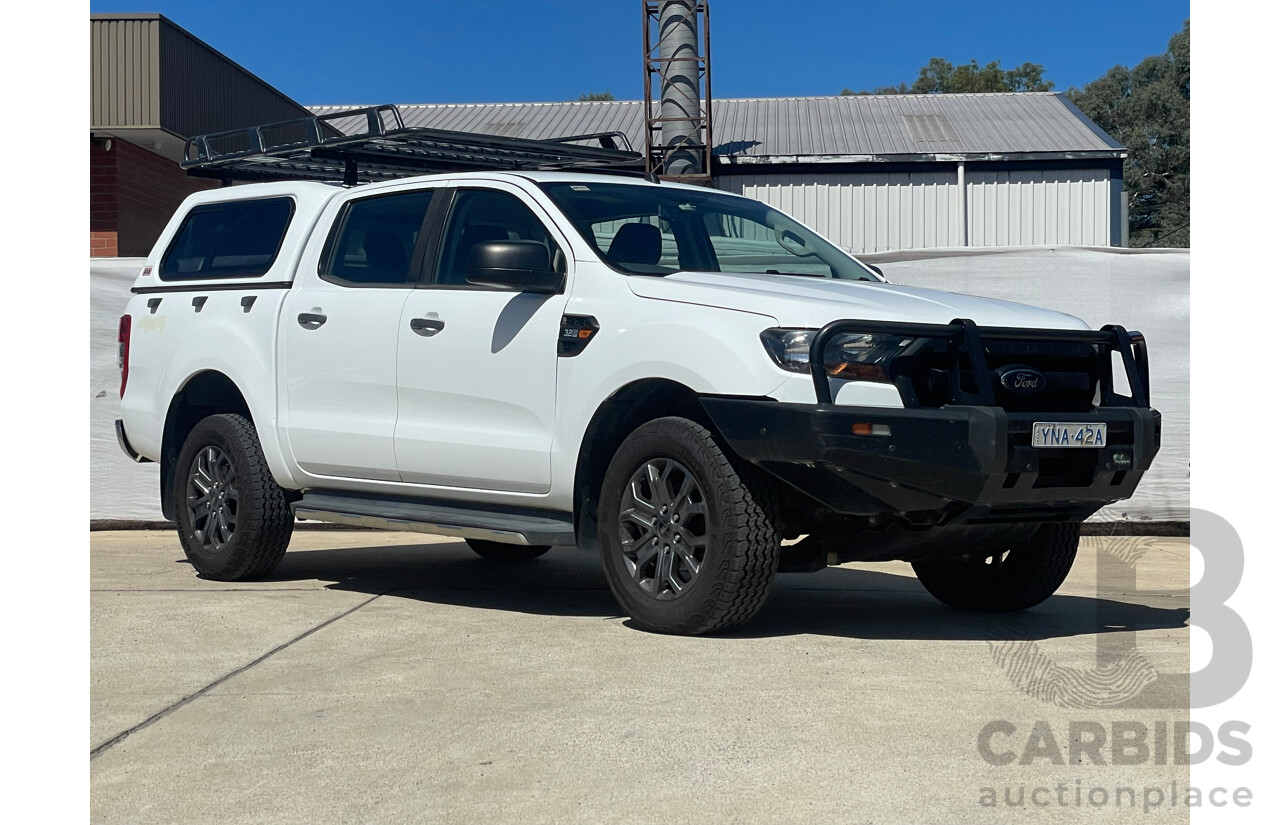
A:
(124, 75)
(155, 84)
(815, 129)
(878, 172)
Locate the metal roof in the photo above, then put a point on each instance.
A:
(846, 128)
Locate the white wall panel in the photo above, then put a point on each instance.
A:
(1034, 208)
(865, 212)
(880, 211)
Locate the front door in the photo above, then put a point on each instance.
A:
(477, 365)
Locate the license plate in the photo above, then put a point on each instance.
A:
(1059, 434)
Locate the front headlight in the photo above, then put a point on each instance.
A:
(852, 356)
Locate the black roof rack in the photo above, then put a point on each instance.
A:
(372, 144)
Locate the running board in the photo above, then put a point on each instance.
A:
(441, 518)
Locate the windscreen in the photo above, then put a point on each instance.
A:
(657, 230)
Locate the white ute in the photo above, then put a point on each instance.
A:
(537, 359)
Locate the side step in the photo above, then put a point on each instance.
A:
(441, 518)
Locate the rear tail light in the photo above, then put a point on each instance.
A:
(122, 353)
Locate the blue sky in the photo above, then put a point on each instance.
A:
(522, 50)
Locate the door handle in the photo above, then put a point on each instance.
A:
(312, 320)
(426, 326)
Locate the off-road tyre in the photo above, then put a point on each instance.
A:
(738, 525)
(497, 551)
(1004, 579)
(263, 522)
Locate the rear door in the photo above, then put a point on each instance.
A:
(477, 365)
(340, 334)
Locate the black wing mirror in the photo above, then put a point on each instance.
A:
(519, 265)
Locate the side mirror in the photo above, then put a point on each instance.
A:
(874, 268)
(519, 265)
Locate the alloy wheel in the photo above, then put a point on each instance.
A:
(663, 528)
(213, 499)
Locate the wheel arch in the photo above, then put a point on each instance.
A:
(205, 393)
(626, 409)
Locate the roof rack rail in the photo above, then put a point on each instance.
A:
(372, 143)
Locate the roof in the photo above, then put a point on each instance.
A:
(845, 128)
(313, 188)
(572, 176)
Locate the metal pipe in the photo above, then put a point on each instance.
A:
(678, 53)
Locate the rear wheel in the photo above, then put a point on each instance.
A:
(689, 542)
(233, 519)
(497, 551)
(1004, 578)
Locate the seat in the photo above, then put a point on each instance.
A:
(636, 243)
(384, 253)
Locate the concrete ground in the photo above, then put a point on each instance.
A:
(384, 677)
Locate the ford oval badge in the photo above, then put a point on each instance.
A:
(1022, 380)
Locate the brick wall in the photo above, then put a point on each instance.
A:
(103, 227)
(132, 194)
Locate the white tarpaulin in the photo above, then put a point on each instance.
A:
(118, 488)
(1141, 291)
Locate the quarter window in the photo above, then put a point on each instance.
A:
(236, 239)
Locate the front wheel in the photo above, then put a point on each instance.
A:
(689, 542)
(233, 519)
(1000, 578)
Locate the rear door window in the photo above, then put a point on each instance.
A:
(237, 239)
(374, 240)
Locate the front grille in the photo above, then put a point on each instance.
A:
(1044, 370)
(1072, 371)
(938, 372)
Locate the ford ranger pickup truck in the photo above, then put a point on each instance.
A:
(690, 383)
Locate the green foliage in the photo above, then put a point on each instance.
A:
(605, 95)
(939, 75)
(1148, 109)
(900, 89)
